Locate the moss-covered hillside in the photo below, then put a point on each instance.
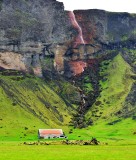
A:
(28, 103)
(115, 84)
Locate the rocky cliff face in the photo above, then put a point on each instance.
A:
(28, 27)
(101, 26)
(35, 30)
(25, 22)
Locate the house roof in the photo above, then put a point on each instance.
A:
(50, 131)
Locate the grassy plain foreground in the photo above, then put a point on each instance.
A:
(16, 151)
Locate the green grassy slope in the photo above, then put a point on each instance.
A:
(107, 111)
(16, 123)
(27, 104)
(115, 86)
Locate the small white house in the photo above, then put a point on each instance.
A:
(50, 133)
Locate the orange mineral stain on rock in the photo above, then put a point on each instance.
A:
(77, 67)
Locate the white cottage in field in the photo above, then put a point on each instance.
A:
(50, 133)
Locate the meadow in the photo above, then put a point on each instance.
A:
(18, 151)
(117, 142)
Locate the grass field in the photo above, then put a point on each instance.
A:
(16, 151)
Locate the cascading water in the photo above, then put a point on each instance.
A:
(79, 38)
(77, 66)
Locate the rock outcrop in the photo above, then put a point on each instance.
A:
(10, 60)
(99, 26)
(35, 30)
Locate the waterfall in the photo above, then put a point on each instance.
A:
(79, 38)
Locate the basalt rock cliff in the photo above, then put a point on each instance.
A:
(32, 30)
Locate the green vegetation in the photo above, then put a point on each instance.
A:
(115, 86)
(134, 32)
(124, 38)
(131, 54)
(87, 86)
(26, 104)
(16, 151)
(64, 89)
(107, 112)
(120, 133)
